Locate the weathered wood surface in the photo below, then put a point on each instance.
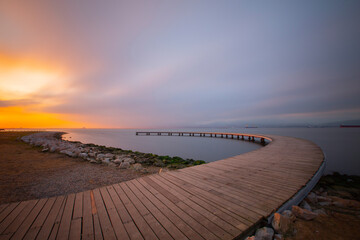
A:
(218, 200)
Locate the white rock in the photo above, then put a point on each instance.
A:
(83, 155)
(129, 160)
(124, 165)
(106, 160)
(118, 161)
(100, 156)
(137, 166)
(109, 155)
(264, 233)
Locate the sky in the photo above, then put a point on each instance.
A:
(152, 64)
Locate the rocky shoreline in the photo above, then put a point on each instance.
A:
(330, 211)
(116, 157)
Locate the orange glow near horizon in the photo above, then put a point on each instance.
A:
(22, 79)
(17, 117)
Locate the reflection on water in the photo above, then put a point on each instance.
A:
(340, 145)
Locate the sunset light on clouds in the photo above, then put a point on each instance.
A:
(133, 64)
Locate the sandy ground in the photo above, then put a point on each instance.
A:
(27, 173)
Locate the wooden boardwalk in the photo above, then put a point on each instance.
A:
(219, 200)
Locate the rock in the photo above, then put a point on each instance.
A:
(106, 160)
(323, 204)
(117, 161)
(45, 150)
(306, 206)
(109, 155)
(264, 233)
(250, 238)
(129, 160)
(323, 199)
(83, 155)
(53, 148)
(340, 202)
(100, 156)
(92, 154)
(124, 165)
(137, 167)
(312, 198)
(93, 161)
(320, 211)
(303, 213)
(289, 214)
(68, 152)
(281, 223)
(278, 237)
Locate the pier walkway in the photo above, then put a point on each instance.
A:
(225, 199)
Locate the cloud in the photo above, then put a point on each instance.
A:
(147, 63)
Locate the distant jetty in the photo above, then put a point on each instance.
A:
(349, 126)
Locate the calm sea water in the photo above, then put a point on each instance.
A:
(340, 145)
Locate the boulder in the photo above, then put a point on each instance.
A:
(320, 211)
(83, 155)
(117, 161)
(45, 150)
(68, 152)
(340, 202)
(278, 237)
(264, 233)
(124, 165)
(106, 160)
(323, 199)
(129, 160)
(312, 198)
(305, 205)
(109, 155)
(100, 156)
(303, 213)
(137, 167)
(281, 223)
(250, 238)
(289, 214)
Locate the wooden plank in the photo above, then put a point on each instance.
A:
(210, 226)
(213, 199)
(140, 222)
(56, 226)
(116, 222)
(75, 229)
(40, 219)
(105, 224)
(50, 220)
(21, 217)
(158, 229)
(218, 210)
(88, 226)
(78, 206)
(11, 217)
(128, 222)
(225, 226)
(25, 226)
(8, 210)
(3, 206)
(64, 228)
(177, 213)
(164, 219)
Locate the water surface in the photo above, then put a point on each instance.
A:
(340, 145)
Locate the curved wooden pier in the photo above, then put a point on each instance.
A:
(220, 200)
